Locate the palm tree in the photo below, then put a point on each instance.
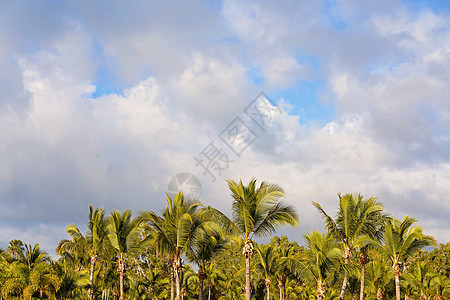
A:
(374, 228)
(284, 249)
(16, 249)
(124, 233)
(213, 278)
(400, 241)
(256, 211)
(266, 261)
(29, 271)
(206, 245)
(43, 279)
(354, 218)
(182, 222)
(440, 287)
(380, 277)
(91, 244)
(318, 261)
(16, 281)
(72, 282)
(419, 279)
(234, 284)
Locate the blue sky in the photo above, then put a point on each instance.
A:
(104, 102)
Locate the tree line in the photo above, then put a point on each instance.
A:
(191, 251)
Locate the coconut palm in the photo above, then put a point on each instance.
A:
(353, 219)
(400, 241)
(373, 228)
(181, 224)
(440, 287)
(156, 283)
(16, 281)
(318, 261)
(294, 291)
(256, 211)
(91, 244)
(29, 272)
(284, 249)
(419, 279)
(213, 278)
(124, 233)
(72, 282)
(234, 284)
(202, 250)
(266, 262)
(16, 249)
(380, 277)
(44, 280)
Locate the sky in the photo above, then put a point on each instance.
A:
(104, 102)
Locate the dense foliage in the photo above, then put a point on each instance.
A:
(190, 251)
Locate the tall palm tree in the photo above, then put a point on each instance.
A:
(72, 282)
(380, 277)
(182, 222)
(29, 271)
(400, 241)
(318, 261)
(16, 249)
(374, 224)
(213, 278)
(284, 250)
(124, 233)
(256, 211)
(202, 251)
(419, 279)
(440, 287)
(266, 262)
(353, 219)
(91, 244)
(42, 279)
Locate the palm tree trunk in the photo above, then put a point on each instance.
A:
(248, 250)
(209, 292)
(397, 286)
(172, 281)
(247, 277)
(280, 287)
(344, 286)
(320, 290)
(200, 289)
(363, 260)
(422, 295)
(178, 273)
(344, 283)
(121, 286)
(379, 294)
(363, 270)
(267, 282)
(201, 277)
(121, 269)
(177, 286)
(91, 277)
